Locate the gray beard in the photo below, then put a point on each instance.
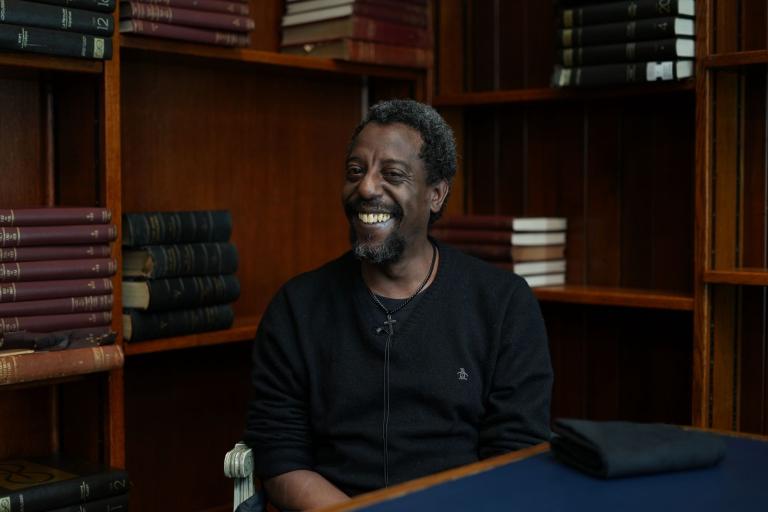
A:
(388, 251)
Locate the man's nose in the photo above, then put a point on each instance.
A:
(370, 185)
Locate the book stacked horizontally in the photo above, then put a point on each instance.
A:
(56, 293)
(532, 247)
(219, 22)
(59, 484)
(71, 28)
(178, 273)
(624, 42)
(387, 32)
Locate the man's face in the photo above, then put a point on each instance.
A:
(386, 196)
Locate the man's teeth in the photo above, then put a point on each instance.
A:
(373, 218)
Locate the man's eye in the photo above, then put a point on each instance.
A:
(354, 171)
(393, 176)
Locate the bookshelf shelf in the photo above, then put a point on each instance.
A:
(736, 59)
(243, 329)
(741, 276)
(264, 58)
(622, 297)
(470, 99)
(49, 63)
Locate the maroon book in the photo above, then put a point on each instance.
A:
(357, 27)
(365, 51)
(57, 235)
(494, 252)
(242, 9)
(196, 35)
(473, 236)
(56, 269)
(54, 216)
(187, 17)
(57, 306)
(54, 252)
(38, 290)
(48, 323)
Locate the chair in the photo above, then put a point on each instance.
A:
(238, 465)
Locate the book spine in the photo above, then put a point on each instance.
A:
(486, 251)
(192, 259)
(48, 323)
(418, 19)
(206, 5)
(387, 55)
(56, 269)
(34, 14)
(176, 227)
(57, 306)
(49, 365)
(662, 49)
(180, 33)
(88, 5)
(11, 217)
(608, 74)
(55, 235)
(58, 340)
(655, 28)
(503, 222)
(146, 326)
(115, 504)
(39, 290)
(53, 252)
(189, 17)
(618, 11)
(470, 236)
(192, 292)
(392, 33)
(54, 42)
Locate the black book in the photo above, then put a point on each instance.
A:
(176, 227)
(180, 292)
(177, 260)
(54, 42)
(624, 73)
(88, 5)
(40, 484)
(656, 50)
(140, 325)
(114, 504)
(640, 30)
(624, 11)
(32, 14)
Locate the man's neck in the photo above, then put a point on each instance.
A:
(401, 279)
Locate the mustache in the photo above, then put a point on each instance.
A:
(353, 206)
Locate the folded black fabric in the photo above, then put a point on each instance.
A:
(611, 449)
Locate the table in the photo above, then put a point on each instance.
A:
(532, 480)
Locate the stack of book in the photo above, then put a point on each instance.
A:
(71, 28)
(59, 484)
(630, 41)
(532, 247)
(219, 22)
(178, 273)
(387, 32)
(55, 290)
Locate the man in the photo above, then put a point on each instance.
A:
(403, 357)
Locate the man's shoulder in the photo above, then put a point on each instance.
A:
(474, 271)
(331, 273)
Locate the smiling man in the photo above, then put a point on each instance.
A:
(403, 357)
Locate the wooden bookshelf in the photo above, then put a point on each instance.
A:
(49, 63)
(736, 59)
(620, 297)
(740, 276)
(242, 330)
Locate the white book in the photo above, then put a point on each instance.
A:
(554, 238)
(317, 15)
(313, 5)
(529, 268)
(540, 224)
(545, 280)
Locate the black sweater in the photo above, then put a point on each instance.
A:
(469, 376)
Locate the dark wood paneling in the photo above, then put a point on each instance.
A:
(752, 361)
(267, 17)
(539, 27)
(482, 41)
(510, 195)
(512, 43)
(481, 159)
(81, 406)
(184, 411)
(565, 329)
(28, 420)
(754, 24)
(753, 223)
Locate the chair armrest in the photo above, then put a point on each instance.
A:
(238, 465)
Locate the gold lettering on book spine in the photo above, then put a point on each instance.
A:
(7, 369)
(632, 10)
(8, 293)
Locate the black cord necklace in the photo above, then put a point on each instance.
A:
(390, 322)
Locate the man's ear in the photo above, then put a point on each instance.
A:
(439, 194)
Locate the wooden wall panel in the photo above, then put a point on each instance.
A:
(482, 159)
(751, 404)
(482, 41)
(511, 196)
(755, 167)
(754, 25)
(271, 149)
(28, 420)
(540, 51)
(565, 329)
(512, 44)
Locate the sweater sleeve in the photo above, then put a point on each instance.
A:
(277, 424)
(517, 406)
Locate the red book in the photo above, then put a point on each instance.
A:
(243, 9)
(187, 17)
(357, 27)
(39, 290)
(53, 216)
(48, 323)
(365, 51)
(196, 35)
(16, 369)
(494, 252)
(57, 269)
(57, 306)
(57, 235)
(398, 12)
(54, 252)
(506, 222)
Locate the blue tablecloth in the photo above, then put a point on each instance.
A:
(738, 483)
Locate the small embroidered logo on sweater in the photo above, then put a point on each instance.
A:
(462, 374)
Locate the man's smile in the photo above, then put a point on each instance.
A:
(374, 218)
